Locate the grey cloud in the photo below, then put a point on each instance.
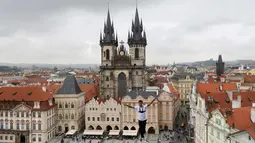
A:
(64, 31)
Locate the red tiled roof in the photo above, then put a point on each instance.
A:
(101, 100)
(247, 97)
(251, 131)
(91, 90)
(215, 87)
(28, 93)
(36, 80)
(162, 73)
(240, 118)
(161, 79)
(216, 100)
(5, 74)
(172, 89)
(249, 78)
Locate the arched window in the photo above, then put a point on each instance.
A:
(60, 105)
(103, 117)
(60, 116)
(66, 106)
(136, 72)
(136, 53)
(107, 78)
(66, 116)
(107, 54)
(72, 105)
(72, 117)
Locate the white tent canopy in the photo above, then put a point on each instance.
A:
(114, 132)
(71, 132)
(130, 132)
(93, 132)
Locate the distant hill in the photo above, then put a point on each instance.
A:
(212, 62)
(29, 65)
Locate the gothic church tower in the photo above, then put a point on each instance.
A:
(121, 71)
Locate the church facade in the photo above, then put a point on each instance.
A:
(121, 70)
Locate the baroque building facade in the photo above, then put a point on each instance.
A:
(103, 114)
(160, 115)
(70, 106)
(27, 114)
(119, 69)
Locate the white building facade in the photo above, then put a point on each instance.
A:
(31, 120)
(103, 114)
(70, 106)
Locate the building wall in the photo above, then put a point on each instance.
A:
(142, 55)
(70, 112)
(129, 116)
(184, 86)
(242, 137)
(109, 81)
(166, 111)
(36, 125)
(201, 121)
(218, 128)
(102, 115)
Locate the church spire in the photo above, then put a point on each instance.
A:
(108, 36)
(220, 66)
(137, 31)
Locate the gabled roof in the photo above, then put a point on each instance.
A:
(240, 118)
(145, 94)
(27, 93)
(70, 86)
(215, 87)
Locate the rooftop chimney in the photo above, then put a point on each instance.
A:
(253, 114)
(44, 89)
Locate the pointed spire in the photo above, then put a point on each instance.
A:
(100, 36)
(137, 35)
(117, 38)
(128, 34)
(220, 59)
(141, 24)
(108, 35)
(136, 18)
(144, 35)
(108, 21)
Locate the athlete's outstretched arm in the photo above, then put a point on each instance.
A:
(129, 106)
(151, 102)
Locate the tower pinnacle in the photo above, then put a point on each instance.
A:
(220, 66)
(109, 37)
(137, 35)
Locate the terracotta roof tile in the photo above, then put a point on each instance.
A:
(247, 97)
(215, 87)
(249, 78)
(240, 118)
(251, 131)
(28, 93)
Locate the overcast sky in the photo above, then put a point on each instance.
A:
(67, 31)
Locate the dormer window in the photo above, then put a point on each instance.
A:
(50, 102)
(37, 105)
